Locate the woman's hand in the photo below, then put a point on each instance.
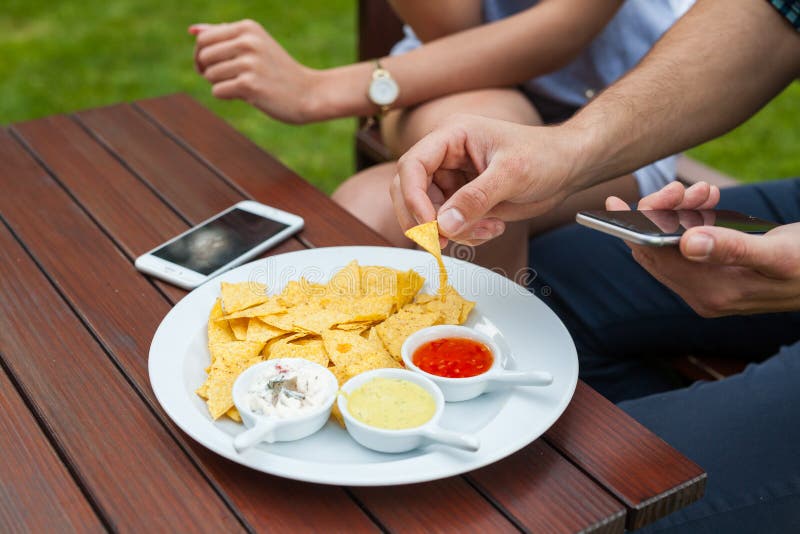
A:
(242, 60)
(719, 271)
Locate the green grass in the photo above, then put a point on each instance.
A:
(763, 148)
(62, 56)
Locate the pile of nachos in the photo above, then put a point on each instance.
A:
(355, 322)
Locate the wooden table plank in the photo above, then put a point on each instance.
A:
(124, 458)
(520, 485)
(37, 493)
(447, 505)
(184, 182)
(106, 308)
(256, 172)
(639, 468)
(112, 196)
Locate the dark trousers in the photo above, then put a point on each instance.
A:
(744, 430)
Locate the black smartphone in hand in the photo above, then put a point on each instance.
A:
(665, 227)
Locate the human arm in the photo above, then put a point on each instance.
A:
(243, 61)
(432, 20)
(719, 271)
(718, 65)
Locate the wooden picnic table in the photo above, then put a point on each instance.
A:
(86, 445)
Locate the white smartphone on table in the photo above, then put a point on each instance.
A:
(222, 242)
(665, 227)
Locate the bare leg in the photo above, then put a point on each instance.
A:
(366, 195)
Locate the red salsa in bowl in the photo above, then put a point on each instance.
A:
(453, 357)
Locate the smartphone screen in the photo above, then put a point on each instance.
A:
(676, 222)
(219, 241)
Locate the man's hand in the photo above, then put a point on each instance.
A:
(474, 173)
(241, 60)
(719, 271)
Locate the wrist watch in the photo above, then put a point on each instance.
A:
(383, 90)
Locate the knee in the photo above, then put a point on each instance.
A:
(403, 128)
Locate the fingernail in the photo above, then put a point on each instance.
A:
(699, 246)
(451, 221)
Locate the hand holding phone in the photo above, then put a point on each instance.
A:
(665, 227)
(222, 242)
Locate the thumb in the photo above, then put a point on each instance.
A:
(472, 202)
(723, 246)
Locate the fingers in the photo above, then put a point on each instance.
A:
(700, 196)
(401, 210)
(220, 42)
(414, 181)
(616, 204)
(667, 198)
(196, 29)
(472, 202)
(415, 170)
(481, 232)
(225, 70)
(724, 246)
(228, 90)
(208, 34)
(219, 52)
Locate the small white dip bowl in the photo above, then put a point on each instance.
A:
(272, 428)
(461, 389)
(385, 440)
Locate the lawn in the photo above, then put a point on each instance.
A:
(62, 56)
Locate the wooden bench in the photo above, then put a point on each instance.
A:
(379, 29)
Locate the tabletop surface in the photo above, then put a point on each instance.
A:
(86, 446)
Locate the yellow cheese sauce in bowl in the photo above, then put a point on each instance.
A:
(395, 410)
(391, 403)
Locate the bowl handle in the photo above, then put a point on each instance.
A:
(523, 378)
(466, 442)
(253, 435)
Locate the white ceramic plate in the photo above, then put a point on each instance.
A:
(505, 421)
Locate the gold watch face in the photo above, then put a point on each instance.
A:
(383, 91)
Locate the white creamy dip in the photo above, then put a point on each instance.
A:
(290, 388)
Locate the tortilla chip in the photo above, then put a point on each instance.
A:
(239, 327)
(258, 330)
(394, 330)
(239, 296)
(220, 384)
(354, 327)
(315, 320)
(307, 348)
(466, 307)
(233, 413)
(408, 285)
(218, 331)
(347, 281)
(378, 281)
(427, 236)
(269, 307)
(341, 346)
(234, 351)
(367, 308)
